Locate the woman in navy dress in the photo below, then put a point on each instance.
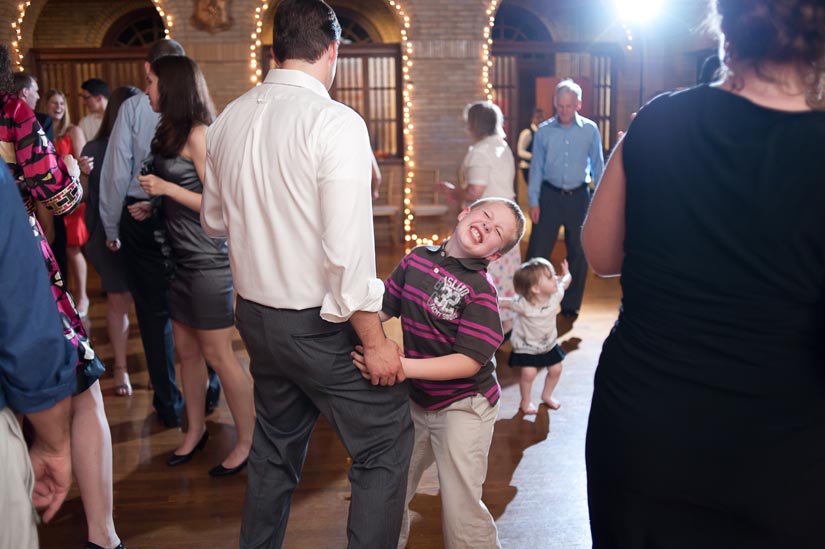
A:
(707, 427)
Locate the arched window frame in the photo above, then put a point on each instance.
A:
(145, 25)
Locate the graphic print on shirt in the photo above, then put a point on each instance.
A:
(446, 298)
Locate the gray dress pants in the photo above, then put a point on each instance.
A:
(301, 366)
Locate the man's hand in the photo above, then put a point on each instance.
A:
(140, 211)
(53, 477)
(535, 212)
(383, 363)
(359, 362)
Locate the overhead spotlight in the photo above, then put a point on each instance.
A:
(638, 11)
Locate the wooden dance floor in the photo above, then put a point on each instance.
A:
(535, 487)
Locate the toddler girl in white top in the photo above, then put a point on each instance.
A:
(539, 294)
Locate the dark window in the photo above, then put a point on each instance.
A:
(514, 24)
(141, 27)
(352, 32)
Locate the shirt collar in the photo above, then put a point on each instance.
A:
(577, 120)
(469, 263)
(290, 77)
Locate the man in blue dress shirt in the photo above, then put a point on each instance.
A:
(567, 153)
(142, 240)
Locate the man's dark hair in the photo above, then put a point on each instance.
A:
(96, 86)
(303, 29)
(164, 47)
(20, 81)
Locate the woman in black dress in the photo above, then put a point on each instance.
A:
(707, 427)
(108, 264)
(201, 293)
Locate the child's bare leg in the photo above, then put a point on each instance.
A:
(525, 385)
(553, 374)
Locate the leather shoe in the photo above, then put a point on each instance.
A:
(169, 422)
(90, 545)
(221, 471)
(177, 459)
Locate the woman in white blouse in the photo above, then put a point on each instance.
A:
(489, 170)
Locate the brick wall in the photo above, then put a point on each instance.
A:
(447, 44)
(79, 23)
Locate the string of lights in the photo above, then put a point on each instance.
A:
(487, 62)
(17, 27)
(256, 71)
(628, 36)
(168, 21)
(409, 145)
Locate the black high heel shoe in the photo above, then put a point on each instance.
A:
(177, 459)
(221, 471)
(90, 545)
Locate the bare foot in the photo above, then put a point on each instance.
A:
(122, 385)
(530, 409)
(552, 404)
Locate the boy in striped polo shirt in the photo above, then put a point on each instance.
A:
(450, 318)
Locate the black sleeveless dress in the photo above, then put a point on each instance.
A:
(707, 427)
(201, 293)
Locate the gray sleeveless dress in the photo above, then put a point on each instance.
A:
(201, 293)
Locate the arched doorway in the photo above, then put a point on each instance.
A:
(527, 63)
(522, 53)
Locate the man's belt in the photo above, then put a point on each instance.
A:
(564, 192)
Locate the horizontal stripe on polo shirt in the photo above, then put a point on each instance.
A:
(446, 306)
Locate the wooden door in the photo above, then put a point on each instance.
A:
(67, 68)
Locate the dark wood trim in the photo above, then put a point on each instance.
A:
(596, 48)
(89, 54)
(369, 50)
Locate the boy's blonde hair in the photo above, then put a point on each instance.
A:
(529, 274)
(517, 213)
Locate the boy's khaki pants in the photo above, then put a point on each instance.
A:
(18, 518)
(457, 439)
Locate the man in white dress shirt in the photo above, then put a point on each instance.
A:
(288, 182)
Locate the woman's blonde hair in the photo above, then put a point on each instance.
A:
(61, 126)
(484, 118)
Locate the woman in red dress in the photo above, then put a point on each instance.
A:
(69, 139)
